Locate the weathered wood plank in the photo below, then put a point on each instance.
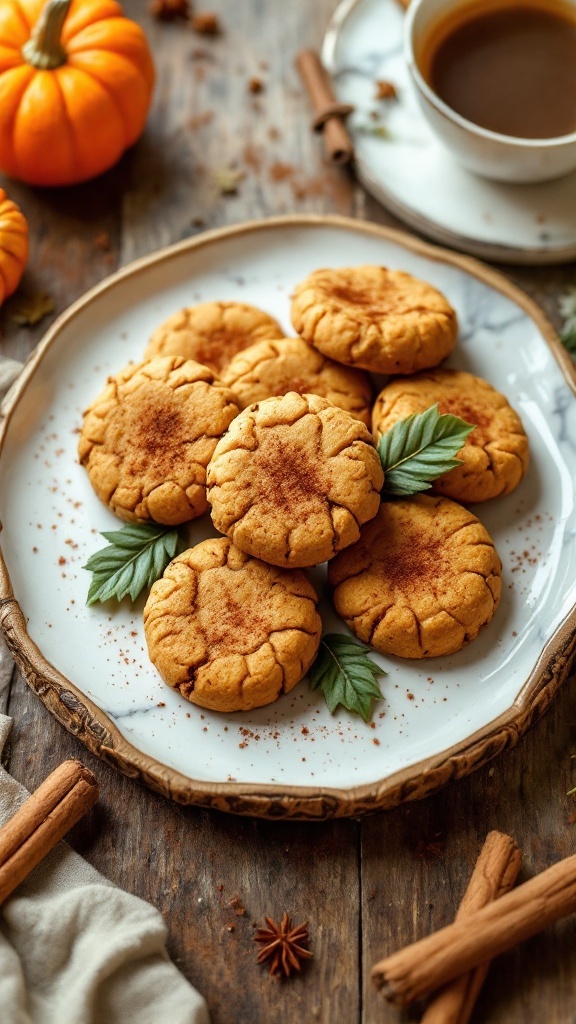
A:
(6, 673)
(74, 235)
(205, 120)
(416, 862)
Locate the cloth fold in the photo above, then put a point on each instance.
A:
(74, 949)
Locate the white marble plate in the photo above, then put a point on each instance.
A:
(413, 175)
(89, 664)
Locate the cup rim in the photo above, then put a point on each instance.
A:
(556, 142)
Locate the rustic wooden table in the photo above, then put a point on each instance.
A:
(367, 886)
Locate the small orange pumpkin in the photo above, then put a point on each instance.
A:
(13, 246)
(76, 80)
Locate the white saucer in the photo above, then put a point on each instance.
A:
(412, 174)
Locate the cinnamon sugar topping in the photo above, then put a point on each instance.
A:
(290, 479)
(414, 561)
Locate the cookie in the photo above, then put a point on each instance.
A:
(382, 320)
(422, 580)
(293, 480)
(147, 439)
(495, 456)
(212, 333)
(228, 631)
(272, 368)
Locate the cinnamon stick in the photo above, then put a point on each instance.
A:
(426, 965)
(329, 113)
(494, 875)
(58, 803)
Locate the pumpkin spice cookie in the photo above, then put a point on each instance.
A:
(228, 631)
(148, 437)
(212, 333)
(382, 320)
(495, 456)
(272, 368)
(293, 480)
(422, 580)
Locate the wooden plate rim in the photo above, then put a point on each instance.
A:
(102, 737)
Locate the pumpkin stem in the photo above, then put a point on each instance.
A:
(44, 48)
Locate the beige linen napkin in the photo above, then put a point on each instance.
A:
(74, 949)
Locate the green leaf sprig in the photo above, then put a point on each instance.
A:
(346, 675)
(135, 558)
(567, 304)
(419, 449)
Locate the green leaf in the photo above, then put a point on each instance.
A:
(136, 556)
(567, 304)
(346, 675)
(420, 448)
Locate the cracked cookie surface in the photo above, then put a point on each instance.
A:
(293, 480)
(212, 332)
(272, 368)
(228, 631)
(148, 437)
(382, 320)
(495, 456)
(422, 580)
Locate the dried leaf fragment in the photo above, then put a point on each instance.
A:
(283, 946)
(378, 130)
(227, 180)
(237, 906)
(170, 10)
(31, 311)
(206, 23)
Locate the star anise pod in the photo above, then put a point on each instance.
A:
(283, 945)
(170, 10)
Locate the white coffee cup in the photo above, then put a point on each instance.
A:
(501, 157)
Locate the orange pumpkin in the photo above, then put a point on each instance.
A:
(76, 80)
(13, 246)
